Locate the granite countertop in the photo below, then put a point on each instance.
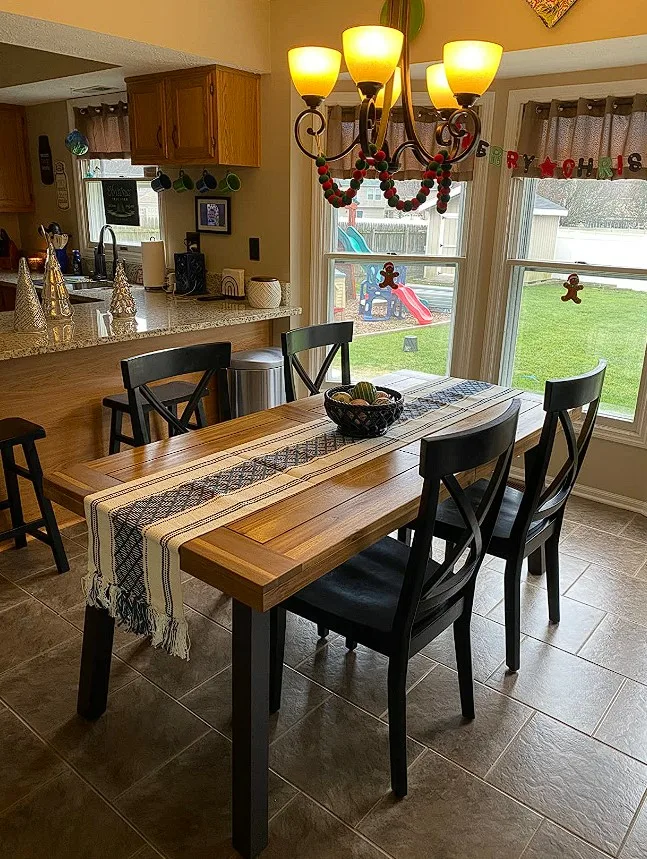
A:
(157, 314)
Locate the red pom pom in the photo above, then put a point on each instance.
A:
(414, 204)
(327, 185)
(429, 174)
(383, 175)
(322, 170)
(447, 174)
(399, 205)
(425, 190)
(360, 154)
(358, 174)
(439, 158)
(380, 155)
(390, 193)
(350, 192)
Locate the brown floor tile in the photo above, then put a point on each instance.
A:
(449, 814)
(434, 718)
(212, 701)
(584, 511)
(606, 550)
(208, 601)
(44, 690)
(301, 639)
(78, 532)
(553, 842)
(306, 829)
(28, 629)
(65, 819)
(25, 761)
(620, 595)
(488, 647)
(555, 682)
(210, 653)
(578, 782)
(184, 809)
(637, 528)
(620, 646)
(59, 591)
(146, 853)
(10, 595)
(122, 636)
(16, 564)
(359, 675)
(338, 755)
(635, 844)
(488, 591)
(577, 619)
(625, 725)
(141, 729)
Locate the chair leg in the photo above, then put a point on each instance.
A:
(46, 509)
(463, 648)
(397, 688)
(405, 535)
(13, 495)
(537, 561)
(116, 419)
(351, 644)
(322, 631)
(512, 593)
(200, 415)
(552, 577)
(277, 652)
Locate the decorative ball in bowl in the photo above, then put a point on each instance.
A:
(363, 410)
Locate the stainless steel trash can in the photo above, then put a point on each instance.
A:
(256, 381)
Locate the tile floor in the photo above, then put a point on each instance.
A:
(553, 767)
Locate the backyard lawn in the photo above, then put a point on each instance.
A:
(555, 339)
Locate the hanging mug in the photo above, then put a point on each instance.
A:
(230, 183)
(206, 182)
(183, 183)
(161, 182)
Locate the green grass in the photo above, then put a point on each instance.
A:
(555, 339)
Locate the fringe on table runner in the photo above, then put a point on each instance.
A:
(169, 633)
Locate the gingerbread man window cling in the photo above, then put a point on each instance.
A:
(389, 275)
(572, 287)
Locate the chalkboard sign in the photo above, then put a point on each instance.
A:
(120, 202)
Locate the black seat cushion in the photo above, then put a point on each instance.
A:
(169, 393)
(18, 430)
(449, 521)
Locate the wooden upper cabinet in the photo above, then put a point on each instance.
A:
(147, 121)
(16, 193)
(209, 116)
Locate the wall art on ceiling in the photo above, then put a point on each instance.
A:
(213, 215)
(551, 11)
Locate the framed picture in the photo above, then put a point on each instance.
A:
(213, 215)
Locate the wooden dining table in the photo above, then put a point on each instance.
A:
(263, 558)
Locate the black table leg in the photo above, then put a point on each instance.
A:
(98, 631)
(250, 695)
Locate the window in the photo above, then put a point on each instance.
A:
(92, 172)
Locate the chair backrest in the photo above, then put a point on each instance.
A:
(210, 359)
(541, 502)
(335, 334)
(429, 587)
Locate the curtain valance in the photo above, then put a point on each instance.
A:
(106, 127)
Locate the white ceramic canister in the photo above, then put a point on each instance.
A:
(264, 292)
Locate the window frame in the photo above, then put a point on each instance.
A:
(501, 306)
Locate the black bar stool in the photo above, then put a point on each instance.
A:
(172, 394)
(15, 432)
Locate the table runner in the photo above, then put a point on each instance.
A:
(135, 529)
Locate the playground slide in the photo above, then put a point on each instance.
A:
(413, 304)
(352, 241)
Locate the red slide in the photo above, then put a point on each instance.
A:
(413, 304)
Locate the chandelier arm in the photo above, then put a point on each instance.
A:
(367, 114)
(317, 132)
(451, 132)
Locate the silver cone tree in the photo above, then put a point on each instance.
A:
(122, 303)
(28, 315)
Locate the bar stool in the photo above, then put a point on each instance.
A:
(16, 432)
(172, 394)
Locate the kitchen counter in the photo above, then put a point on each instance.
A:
(158, 314)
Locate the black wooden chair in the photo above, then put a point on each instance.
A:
(530, 521)
(18, 432)
(393, 598)
(210, 359)
(335, 334)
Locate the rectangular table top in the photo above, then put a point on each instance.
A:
(266, 556)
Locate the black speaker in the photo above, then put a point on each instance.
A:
(190, 274)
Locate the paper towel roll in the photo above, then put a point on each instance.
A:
(153, 264)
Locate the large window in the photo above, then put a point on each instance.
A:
(596, 230)
(92, 172)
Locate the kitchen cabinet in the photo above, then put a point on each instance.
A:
(16, 194)
(206, 116)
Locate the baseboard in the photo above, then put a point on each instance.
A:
(625, 502)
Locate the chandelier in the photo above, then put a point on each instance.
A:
(377, 59)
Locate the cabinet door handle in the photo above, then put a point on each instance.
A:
(174, 136)
(159, 136)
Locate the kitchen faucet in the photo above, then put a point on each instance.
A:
(100, 269)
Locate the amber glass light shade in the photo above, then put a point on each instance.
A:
(372, 53)
(314, 71)
(439, 91)
(471, 66)
(397, 89)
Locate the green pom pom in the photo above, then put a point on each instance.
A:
(428, 183)
(355, 183)
(445, 183)
(372, 148)
(360, 164)
(444, 153)
(445, 198)
(407, 206)
(320, 161)
(382, 165)
(323, 178)
(420, 197)
(336, 203)
(385, 185)
(393, 201)
(328, 193)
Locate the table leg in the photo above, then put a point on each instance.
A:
(250, 695)
(96, 654)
